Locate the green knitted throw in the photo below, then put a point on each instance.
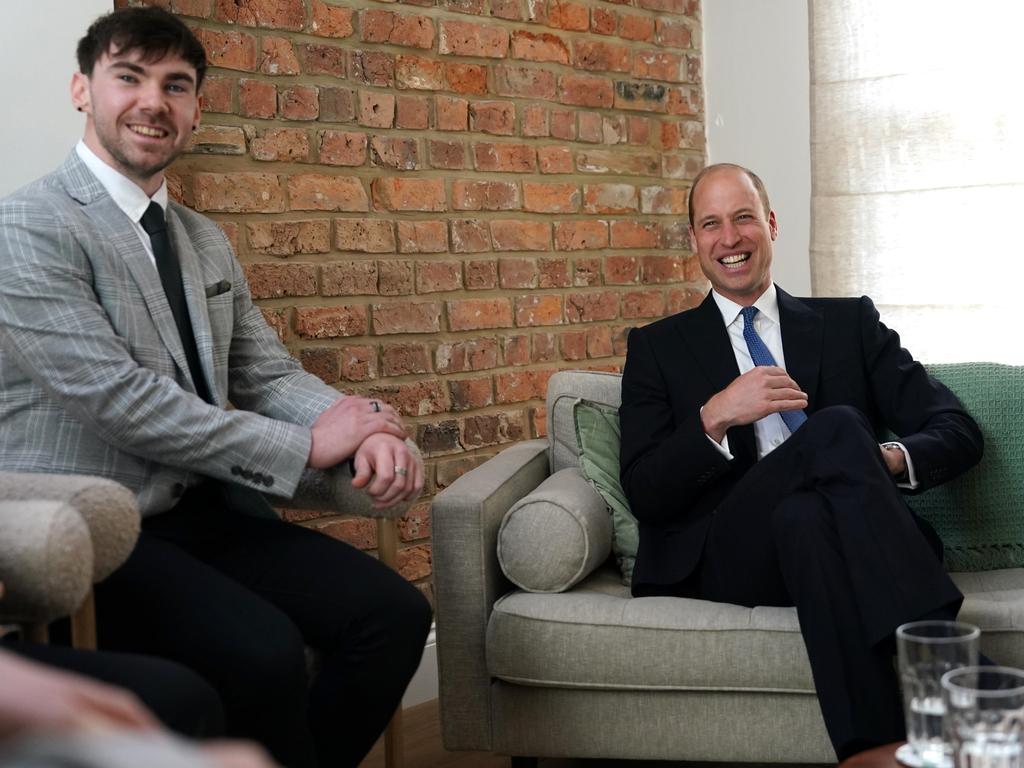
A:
(979, 514)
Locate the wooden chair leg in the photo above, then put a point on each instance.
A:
(83, 627)
(394, 748)
(83, 624)
(37, 633)
(387, 550)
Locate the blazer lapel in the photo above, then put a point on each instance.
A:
(704, 333)
(195, 295)
(124, 240)
(802, 334)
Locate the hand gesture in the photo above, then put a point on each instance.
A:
(236, 754)
(760, 391)
(346, 424)
(388, 470)
(35, 697)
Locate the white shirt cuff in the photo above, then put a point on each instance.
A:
(911, 481)
(721, 447)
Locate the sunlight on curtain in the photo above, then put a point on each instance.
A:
(917, 153)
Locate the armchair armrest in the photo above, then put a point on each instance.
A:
(109, 510)
(468, 580)
(331, 490)
(46, 561)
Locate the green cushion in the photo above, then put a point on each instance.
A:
(597, 435)
(978, 515)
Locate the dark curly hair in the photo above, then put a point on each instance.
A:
(152, 31)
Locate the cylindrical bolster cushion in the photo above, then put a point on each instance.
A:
(46, 561)
(553, 537)
(108, 508)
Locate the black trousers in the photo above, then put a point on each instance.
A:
(237, 598)
(820, 524)
(181, 699)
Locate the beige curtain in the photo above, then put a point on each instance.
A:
(917, 152)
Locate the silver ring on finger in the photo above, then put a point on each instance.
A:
(375, 405)
(401, 471)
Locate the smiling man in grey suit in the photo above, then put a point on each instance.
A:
(126, 330)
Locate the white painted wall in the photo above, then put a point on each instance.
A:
(757, 91)
(37, 55)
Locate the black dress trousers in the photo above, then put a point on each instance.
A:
(238, 599)
(819, 523)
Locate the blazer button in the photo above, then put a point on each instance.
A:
(178, 490)
(268, 481)
(236, 470)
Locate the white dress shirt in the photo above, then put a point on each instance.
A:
(126, 194)
(771, 431)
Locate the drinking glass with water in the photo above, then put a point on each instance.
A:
(926, 651)
(985, 713)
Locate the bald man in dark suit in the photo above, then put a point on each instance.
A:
(753, 455)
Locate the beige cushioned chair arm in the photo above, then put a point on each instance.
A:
(468, 580)
(46, 560)
(331, 490)
(108, 508)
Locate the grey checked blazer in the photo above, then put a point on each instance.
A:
(93, 377)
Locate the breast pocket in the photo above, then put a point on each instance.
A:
(221, 311)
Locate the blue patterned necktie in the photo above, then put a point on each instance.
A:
(761, 355)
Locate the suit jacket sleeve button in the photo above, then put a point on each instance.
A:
(268, 481)
(236, 470)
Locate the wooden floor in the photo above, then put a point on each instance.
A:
(422, 734)
(421, 726)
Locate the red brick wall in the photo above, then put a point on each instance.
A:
(441, 202)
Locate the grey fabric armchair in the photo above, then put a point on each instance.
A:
(591, 672)
(59, 535)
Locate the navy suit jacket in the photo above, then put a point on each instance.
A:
(837, 350)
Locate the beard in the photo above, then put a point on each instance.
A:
(131, 160)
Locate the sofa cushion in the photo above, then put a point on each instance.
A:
(978, 515)
(598, 435)
(564, 389)
(597, 636)
(553, 537)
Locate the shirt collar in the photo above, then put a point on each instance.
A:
(767, 304)
(126, 194)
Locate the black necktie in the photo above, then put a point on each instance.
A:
(170, 275)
